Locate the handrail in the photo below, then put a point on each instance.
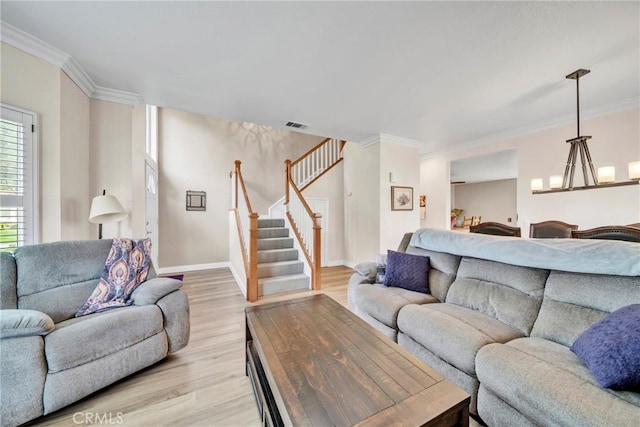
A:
(317, 161)
(244, 188)
(315, 148)
(311, 253)
(250, 257)
(317, 177)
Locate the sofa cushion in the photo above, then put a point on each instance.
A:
(509, 293)
(8, 278)
(573, 302)
(407, 271)
(549, 384)
(22, 323)
(453, 333)
(383, 303)
(611, 349)
(56, 278)
(442, 270)
(50, 265)
(83, 339)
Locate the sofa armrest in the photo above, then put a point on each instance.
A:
(152, 290)
(367, 270)
(175, 309)
(24, 323)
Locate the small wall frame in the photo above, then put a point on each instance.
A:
(401, 198)
(196, 200)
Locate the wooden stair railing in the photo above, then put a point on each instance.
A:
(309, 167)
(306, 224)
(247, 223)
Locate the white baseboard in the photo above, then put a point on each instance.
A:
(192, 267)
(350, 264)
(236, 277)
(336, 263)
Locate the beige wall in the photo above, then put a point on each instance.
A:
(615, 142)
(493, 201)
(110, 164)
(404, 162)
(330, 187)
(361, 203)
(197, 152)
(75, 197)
(434, 184)
(33, 84)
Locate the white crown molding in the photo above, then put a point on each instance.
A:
(370, 141)
(32, 45)
(399, 140)
(36, 47)
(392, 139)
(603, 110)
(115, 95)
(79, 76)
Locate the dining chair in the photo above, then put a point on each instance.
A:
(496, 229)
(551, 229)
(609, 232)
(467, 221)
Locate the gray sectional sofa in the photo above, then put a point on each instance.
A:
(501, 316)
(48, 357)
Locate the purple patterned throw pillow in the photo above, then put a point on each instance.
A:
(126, 267)
(610, 349)
(407, 271)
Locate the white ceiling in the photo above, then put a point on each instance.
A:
(448, 74)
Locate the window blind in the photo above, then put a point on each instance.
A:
(18, 182)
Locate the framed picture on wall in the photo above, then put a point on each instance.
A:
(401, 198)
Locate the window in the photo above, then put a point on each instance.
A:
(18, 179)
(152, 132)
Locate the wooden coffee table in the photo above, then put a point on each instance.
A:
(313, 362)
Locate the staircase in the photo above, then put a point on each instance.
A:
(279, 269)
(263, 249)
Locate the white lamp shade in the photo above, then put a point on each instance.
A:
(606, 174)
(634, 170)
(106, 208)
(536, 184)
(555, 181)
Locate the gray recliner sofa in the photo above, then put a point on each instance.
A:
(501, 317)
(49, 358)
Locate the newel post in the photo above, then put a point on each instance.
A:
(237, 170)
(252, 292)
(287, 177)
(317, 252)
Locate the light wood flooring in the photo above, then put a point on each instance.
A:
(203, 384)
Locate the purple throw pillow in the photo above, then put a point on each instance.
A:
(611, 349)
(407, 271)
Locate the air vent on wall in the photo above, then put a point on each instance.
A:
(296, 125)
